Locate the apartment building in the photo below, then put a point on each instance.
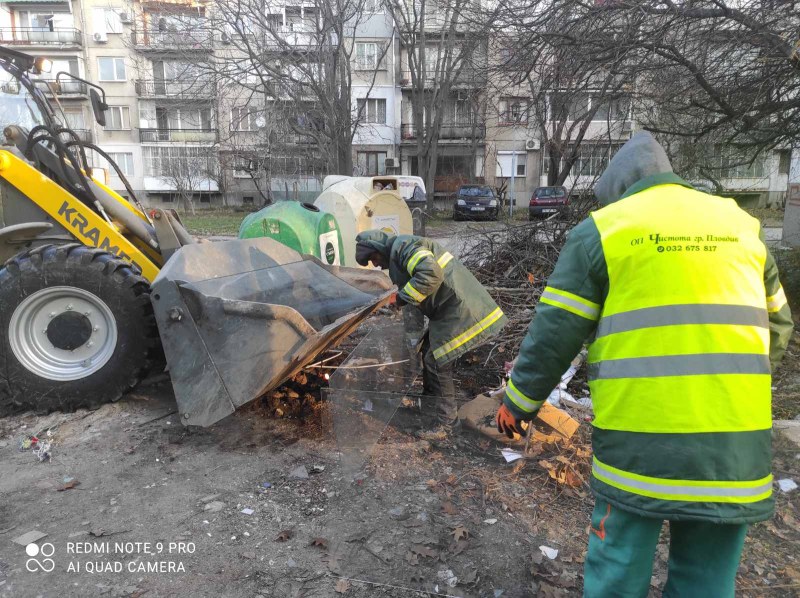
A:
(175, 130)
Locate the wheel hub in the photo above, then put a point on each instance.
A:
(69, 330)
(62, 333)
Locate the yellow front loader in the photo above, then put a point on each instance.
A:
(95, 293)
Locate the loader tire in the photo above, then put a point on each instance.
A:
(78, 329)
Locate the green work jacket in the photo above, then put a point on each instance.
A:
(462, 314)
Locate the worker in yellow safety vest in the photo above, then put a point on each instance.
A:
(681, 298)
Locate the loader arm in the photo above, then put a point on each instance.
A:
(74, 215)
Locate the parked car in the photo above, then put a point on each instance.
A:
(546, 201)
(475, 202)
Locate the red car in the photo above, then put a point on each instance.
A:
(546, 201)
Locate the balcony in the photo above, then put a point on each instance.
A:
(200, 89)
(63, 88)
(38, 36)
(467, 132)
(467, 78)
(177, 135)
(291, 39)
(196, 40)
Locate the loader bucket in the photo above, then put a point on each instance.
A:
(238, 318)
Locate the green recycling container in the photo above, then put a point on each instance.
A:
(301, 226)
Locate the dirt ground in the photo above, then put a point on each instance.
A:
(160, 510)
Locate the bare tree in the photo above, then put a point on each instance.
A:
(719, 75)
(301, 65)
(190, 172)
(578, 99)
(444, 45)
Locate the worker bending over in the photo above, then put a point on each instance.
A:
(688, 320)
(460, 310)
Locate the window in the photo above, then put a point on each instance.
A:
(371, 163)
(373, 6)
(508, 162)
(366, 55)
(195, 162)
(111, 69)
(247, 200)
(513, 111)
(372, 110)
(125, 162)
(568, 106)
(246, 118)
(118, 118)
(784, 160)
(244, 167)
(611, 109)
(106, 20)
(592, 159)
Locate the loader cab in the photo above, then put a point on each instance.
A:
(21, 103)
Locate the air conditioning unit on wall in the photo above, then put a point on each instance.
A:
(100, 37)
(124, 17)
(532, 145)
(390, 163)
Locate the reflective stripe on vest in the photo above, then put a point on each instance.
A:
(680, 365)
(468, 334)
(415, 259)
(673, 315)
(730, 491)
(445, 259)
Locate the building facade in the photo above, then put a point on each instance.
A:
(178, 132)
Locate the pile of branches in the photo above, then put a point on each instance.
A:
(514, 263)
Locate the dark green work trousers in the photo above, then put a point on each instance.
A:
(703, 556)
(437, 381)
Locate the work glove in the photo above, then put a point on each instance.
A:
(508, 424)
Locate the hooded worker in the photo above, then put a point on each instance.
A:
(461, 312)
(681, 297)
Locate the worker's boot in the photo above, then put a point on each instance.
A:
(441, 433)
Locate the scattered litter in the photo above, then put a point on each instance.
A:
(67, 483)
(498, 593)
(448, 577)
(214, 506)
(398, 514)
(367, 405)
(490, 521)
(319, 543)
(208, 498)
(787, 485)
(317, 468)
(511, 455)
(249, 555)
(247, 511)
(550, 553)
(299, 473)
(29, 537)
(291, 563)
(266, 485)
(40, 447)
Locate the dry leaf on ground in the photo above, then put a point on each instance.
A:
(285, 535)
(320, 542)
(342, 586)
(460, 533)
